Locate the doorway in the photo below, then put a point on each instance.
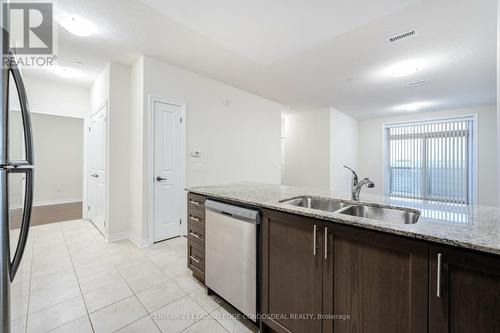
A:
(167, 169)
(97, 169)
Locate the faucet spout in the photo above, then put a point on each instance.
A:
(356, 185)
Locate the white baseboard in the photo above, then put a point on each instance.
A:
(50, 202)
(117, 237)
(140, 243)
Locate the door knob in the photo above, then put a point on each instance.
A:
(160, 179)
(95, 175)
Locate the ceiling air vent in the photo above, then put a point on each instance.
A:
(416, 83)
(401, 36)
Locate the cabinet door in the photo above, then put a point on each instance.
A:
(291, 272)
(466, 296)
(378, 282)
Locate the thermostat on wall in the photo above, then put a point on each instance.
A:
(196, 153)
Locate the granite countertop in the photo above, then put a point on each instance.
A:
(471, 227)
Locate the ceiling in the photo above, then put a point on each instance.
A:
(304, 56)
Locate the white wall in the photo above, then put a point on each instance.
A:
(344, 150)
(55, 98)
(58, 158)
(237, 133)
(112, 87)
(318, 143)
(119, 152)
(57, 112)
(307, 149)
(371, 139)
(136, 144)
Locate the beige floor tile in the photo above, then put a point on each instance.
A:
(206, 325)
(146, 279)
(208, 302)
(177, 242)
(143, 325)
(81, 325)
(175, 267)
(40, 269)
(233, 321)
(105, 296)
(56, 315)
(118, 315)
(51, 296)
(187, 282)
(127, 256)
(160, 295)
(99, 280)
(163, 259)
(131, 268)
(93, 267)
(52, 280)
(178, 315)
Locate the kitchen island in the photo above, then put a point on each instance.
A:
(324, 271)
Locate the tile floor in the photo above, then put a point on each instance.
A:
(71, 280)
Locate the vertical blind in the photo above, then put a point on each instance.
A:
(431, 161)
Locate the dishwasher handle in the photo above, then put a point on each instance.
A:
(240, 213)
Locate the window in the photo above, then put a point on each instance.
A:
(431, 160)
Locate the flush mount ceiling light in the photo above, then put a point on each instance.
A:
(413, 106)
(405, 68)
(78, 25)
(65, 72)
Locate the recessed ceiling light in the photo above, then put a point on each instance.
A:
(413, 106)
(78, 25)
(405, 68)
(65, 72)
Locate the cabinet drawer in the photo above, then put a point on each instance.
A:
(196, 218)
(196, 202)
(196, 260)
(196, 234)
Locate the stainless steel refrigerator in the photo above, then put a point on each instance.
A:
(12, 165)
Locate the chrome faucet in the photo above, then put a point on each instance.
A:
(357, 186)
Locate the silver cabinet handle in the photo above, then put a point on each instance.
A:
(194, 219)
(194, 259)
(326, 243)
(195, 202)
(314, 239)
(195, 235)
(439, 265)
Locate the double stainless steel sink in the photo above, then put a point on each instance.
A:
(392, 215)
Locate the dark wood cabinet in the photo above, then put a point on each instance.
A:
(358, 280)
(196, 235)
(291, 272)
(374, 282)
(464, 293)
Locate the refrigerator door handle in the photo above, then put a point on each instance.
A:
(25, 167)
(25, 224)
(25, 112)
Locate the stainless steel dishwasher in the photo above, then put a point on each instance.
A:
(231, 238)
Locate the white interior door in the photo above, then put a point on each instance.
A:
(167, 180)
(96, 177)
